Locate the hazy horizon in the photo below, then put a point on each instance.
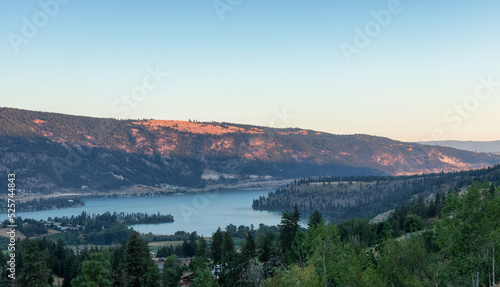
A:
(406, 70)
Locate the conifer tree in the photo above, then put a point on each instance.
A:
(249, 250)
(288, 228)
(35, 272)
(137, 259)
(315, 219)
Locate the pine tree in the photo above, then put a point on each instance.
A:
(230, 261)
(265, 249)
(216, 249)
(35, 272)
(59, 258)
(201, 250)
(70, 267)
(315, 219)
(152, 277)
(492, 189)
(249, 250)
(171, 272)
(138, 259)
(288, 228)
(118, 266)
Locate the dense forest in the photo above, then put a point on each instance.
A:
(341, 198)
(452, 240)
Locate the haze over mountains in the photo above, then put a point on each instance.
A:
(476, 146)
(50, 151)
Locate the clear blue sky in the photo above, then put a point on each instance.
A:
(418, 75)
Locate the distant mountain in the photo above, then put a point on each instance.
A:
(51, 151)
(476, 146)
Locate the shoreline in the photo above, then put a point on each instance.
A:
(144, 191)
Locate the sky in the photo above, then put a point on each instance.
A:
(407, 70)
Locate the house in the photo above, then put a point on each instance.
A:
(186, 278)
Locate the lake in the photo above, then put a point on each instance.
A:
(202, 213)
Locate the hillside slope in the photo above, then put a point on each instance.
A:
(344, 198)
(50, 151)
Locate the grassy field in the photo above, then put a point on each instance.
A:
(155, 245)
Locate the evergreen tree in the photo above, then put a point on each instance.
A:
(315, 219)
(230, 261)
(71, 267)
(249, 249)
(384, 231)
(59, 258)
(35, 271)
(118, 266)
(216, 249)
(152, 277)
(138, 259)
(171, 272)
(288, 228)
(413, 223)
(202, 247)
(265, 249)
(492, 189)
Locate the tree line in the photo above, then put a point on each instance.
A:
(452, 240)
(43, 204)
(342, 198)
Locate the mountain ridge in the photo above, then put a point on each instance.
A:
(101, 153)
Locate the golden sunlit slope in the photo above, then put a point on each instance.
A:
(107, 153)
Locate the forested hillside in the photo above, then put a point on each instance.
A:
(344, 198)
(453, 240)
(51, 151)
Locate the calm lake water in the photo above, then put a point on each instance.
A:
(202, 213)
